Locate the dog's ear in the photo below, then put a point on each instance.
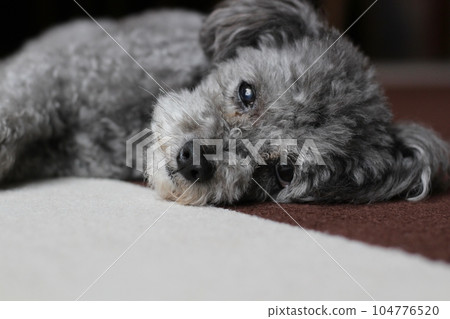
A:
(408, 163)
(414, 162)
(249, 23)
(421, 162)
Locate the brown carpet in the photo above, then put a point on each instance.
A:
(422, 228)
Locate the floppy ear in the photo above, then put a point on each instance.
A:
(250, 23)
(408, 162)
(413, 162)
(420, 163)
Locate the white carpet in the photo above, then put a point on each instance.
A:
(58, 236)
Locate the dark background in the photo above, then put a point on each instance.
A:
(407, 30)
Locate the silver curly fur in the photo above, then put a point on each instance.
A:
(70, 99)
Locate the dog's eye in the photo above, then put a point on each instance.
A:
(285, 174)
(247, 94)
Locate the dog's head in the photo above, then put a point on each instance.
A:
(289, 110)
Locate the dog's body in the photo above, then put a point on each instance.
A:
(70, 100)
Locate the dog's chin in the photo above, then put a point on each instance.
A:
(173, 188)
(229, 184)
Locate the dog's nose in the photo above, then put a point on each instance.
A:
(194, 166)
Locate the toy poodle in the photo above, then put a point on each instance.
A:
(295, 106)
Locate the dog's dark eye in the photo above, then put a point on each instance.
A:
(285, 174)
(247, 94)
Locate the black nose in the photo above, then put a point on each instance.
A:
(194, 166)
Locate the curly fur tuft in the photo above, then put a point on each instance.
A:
(253, 23)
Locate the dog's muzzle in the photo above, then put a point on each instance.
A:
(194, 168)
